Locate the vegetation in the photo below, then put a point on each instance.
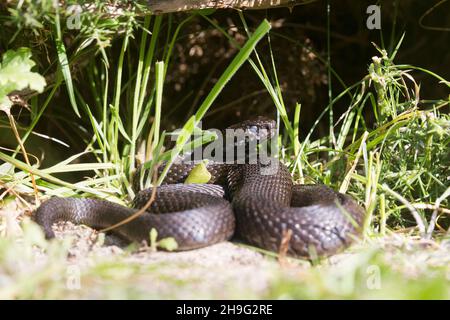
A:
(84, 103)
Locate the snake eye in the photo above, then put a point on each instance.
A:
(253, 129)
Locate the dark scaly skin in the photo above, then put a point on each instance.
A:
(322, 221)
(184, 212)
(265, 206)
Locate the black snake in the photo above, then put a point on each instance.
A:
(257, 208)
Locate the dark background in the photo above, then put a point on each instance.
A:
(299, 45)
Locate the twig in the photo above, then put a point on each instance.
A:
(24, 152)
(141, 210)
(284, 247)
(435, 212)
(415, 214)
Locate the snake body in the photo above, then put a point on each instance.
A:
(258, 208)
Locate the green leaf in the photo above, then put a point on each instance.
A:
(236, 63)
(5, 103)
(153, 238)
(64, 63)
(234, 66)
(16, 74)
(168, 244)
(199, 174)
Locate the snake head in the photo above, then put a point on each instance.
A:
(256, 129)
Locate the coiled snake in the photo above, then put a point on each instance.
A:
(256, 207)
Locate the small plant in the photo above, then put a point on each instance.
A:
(168, 244)
(16, 75)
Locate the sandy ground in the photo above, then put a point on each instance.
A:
(222, 271)
(198, 273)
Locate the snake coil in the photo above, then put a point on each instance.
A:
(255, 207)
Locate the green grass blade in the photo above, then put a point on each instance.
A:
(64, 63)
(234, 66)
(40, 173)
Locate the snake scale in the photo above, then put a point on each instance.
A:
(240, 201)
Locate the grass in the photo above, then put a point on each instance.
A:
(420, 272)
(396, 166)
